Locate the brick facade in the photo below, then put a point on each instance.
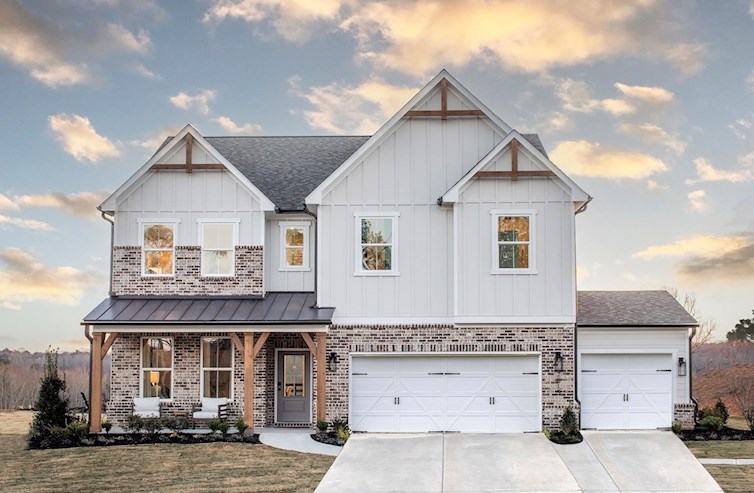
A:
(188, 281)
(685, 415)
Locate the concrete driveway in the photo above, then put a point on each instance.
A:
(652, 461)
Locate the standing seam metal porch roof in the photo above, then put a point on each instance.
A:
(277, 308)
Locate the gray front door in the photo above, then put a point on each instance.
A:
(294, 387)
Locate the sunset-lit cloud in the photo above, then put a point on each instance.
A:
(698, 245)
(6, 221)
(7, 204)
(698, 200)
(24, 279)
(706, 172)
(648, 132)
(125, 40)
(81, 204)
(80, 139)
(199, 102)
(154, 142)
(140, 69)
(654, 185)
(584, 158)
(647, 94)
(357, 109)
(234, 129)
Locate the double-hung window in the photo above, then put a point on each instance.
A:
(217, 367)
(513, 241)
(158, 247)
(218, 241)
(157, 367)
(294, 241)
(376, 240)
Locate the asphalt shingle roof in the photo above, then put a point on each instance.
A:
(631, 308)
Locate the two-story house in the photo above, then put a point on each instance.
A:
(419, 279)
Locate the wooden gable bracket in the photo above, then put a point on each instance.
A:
(189, 165)
(444, 112)
(514, 174)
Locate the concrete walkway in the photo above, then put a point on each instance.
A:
(606, 461)
(729, 462)
(296, 439)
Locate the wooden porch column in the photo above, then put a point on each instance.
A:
(321, 376)
(95, 399)
(248, 380)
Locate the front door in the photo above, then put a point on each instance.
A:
(293, 387)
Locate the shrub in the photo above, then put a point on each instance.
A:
(78, 430)
(568, 422)
(107, 426)
(546, 432)
(341, 428)
(51, 404)
(214, 424)
(224, 427)
(241, 425)
(721, 411)
(152, 426)
(57, 437)
(711, 423)
(322, 425)
(134, 424)
(677, 428)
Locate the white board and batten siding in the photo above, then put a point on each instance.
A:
(405, 173)
(212, 194)
(547, 294)
(277, 278)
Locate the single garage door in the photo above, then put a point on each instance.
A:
(475, 394)
(626, 391)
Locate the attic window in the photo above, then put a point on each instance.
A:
(513, 242)
(158, 248)
(294, 242)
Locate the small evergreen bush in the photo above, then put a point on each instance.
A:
(152, 426)
(711, 423)
(677, 428)
(721, 411)
(214, 424)
(322, 425)
(568, 422)
(241, 425)
(51, 405)
(107, 426)
(134, 425)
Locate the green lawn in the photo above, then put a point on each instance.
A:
(723, 449)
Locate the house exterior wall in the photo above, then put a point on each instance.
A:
(188, 281)
(282, 280)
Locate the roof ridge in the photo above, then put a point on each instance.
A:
(284, 136)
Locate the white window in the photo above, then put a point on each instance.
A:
(158, 247)
(375, 243)
(157, 367)
(218, 239)
(513, 241)
(217, 367)
(294, 241)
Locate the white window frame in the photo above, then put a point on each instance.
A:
(284, 267)
(532, 215)
(231, 368)
(151, 222)
(359, 271)
(172, 366)
(200, 234)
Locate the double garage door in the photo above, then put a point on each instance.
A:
(626, 391)
(474, 394)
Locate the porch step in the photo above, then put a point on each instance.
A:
(292, 425)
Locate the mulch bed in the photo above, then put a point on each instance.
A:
(328, 437)
(143, 439)
(562, 439)
(726, 433)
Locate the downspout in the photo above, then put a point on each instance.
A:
(316, 269)
(691, 374)
(576, 325)
(112, 246)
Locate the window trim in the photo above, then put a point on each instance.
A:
(231, 368)
(142, 222)
(172, 366)
(200, 235)
(306, 225)
(532, 215)
(358, 271)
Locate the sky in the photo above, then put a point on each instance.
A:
(647, 104)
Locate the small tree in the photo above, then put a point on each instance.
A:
(743, 393)
(568, 423)
(51, 403)
(744, 330)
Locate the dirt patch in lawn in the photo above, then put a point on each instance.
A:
(733, 479)
(722, 449)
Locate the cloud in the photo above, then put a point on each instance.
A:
(233, 128)
(24, 223)
(747, 159)
(575, 95)
(653, 185)
(24, 279)
(584, 158)
(31, 43)
(647, 94)
(81, 204)
(706, 172)
(651, 133)
(698, 200)
(153, 143)
(360, 109)
(750, 81)
(710, 258)
(199, 102)
(742, 127)
(688, 58)
(123, 39)
(582, 273)
(294, 20)
(10, 306)
(145, 72)
(80, 139)
(7, 203)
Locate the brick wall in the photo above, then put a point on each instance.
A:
(128, 280)
(684, 414)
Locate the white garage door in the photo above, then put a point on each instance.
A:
(626, 391)
(475, 394)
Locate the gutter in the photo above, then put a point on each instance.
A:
(111, 220)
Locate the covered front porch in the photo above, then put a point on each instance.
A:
(267, 356)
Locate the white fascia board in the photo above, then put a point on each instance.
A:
(208, 328)
(109, 205)
(577, 193)
(315, 197)
(516, 321)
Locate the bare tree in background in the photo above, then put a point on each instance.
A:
(743, 393)
(705, 331)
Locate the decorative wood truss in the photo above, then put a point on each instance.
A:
(514, 174)
(188, 166)
(444, 112)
